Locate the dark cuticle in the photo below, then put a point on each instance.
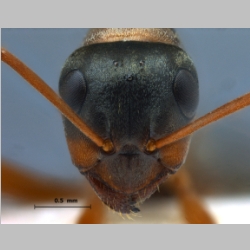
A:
(135, 209)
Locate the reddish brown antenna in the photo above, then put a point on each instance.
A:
(224, 110)
(107, 145)
(34, 80)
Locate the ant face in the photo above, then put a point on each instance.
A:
(218, 156)
(128, 92)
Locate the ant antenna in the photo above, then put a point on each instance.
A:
(224, 110)
(34, 80)
(107, 145)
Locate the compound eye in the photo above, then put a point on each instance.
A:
(73, 90)
(186, 92)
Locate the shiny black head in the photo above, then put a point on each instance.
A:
(128, 92)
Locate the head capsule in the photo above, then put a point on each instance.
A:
(129, 92)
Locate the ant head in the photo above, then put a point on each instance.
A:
(128, 92)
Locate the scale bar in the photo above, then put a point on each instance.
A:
(62, 206)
